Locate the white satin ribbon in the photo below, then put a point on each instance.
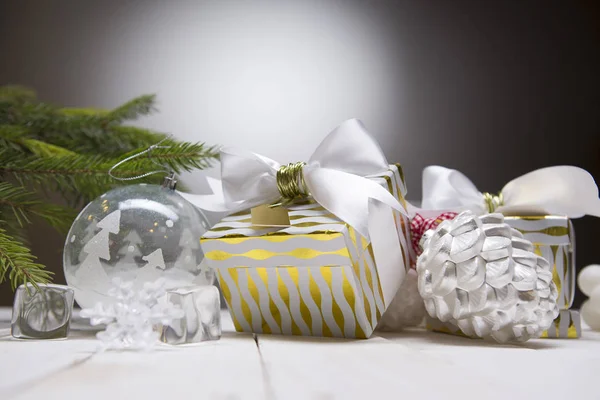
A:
(560, 190)
(336, 177)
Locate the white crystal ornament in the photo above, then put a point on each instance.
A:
(139, 233)
(481, 275)
(133, 315)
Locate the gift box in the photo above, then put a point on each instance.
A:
(316, 277)
(566, 326)
(553, 238)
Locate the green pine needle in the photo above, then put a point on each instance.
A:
(25, 204)
(19, 264)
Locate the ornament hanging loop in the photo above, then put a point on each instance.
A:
(170, 174)
(170, 181)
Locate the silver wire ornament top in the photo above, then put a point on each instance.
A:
(170, 180)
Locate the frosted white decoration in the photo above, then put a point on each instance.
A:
(155, 265)
(481, 275)
(130, 252)
(126, 233)
(187, 260)
(589, 279)
(406, 309)
(131, 317)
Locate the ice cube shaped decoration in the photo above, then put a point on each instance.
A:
(42, 313)
(202, 315)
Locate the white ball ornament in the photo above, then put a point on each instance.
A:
(589, 279)
(138, 233)
(590, 310)
(481, 275)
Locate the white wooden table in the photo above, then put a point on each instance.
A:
(410, 365)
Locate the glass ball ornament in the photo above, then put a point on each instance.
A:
(137, 233)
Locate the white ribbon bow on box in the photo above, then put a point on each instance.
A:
(335, 176)
(560, 190)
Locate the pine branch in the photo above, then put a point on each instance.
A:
(114, 141)
(25, 204)
(9, 223)
(140, 106)
(19, 264)
(89, 177)
(16, 93)
(44, 149)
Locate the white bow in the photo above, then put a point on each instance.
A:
(561, 190)
(335, 176)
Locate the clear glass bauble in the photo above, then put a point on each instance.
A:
(137, 233)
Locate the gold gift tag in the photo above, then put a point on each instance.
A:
(264, 215)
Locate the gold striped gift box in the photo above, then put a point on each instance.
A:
(554, 239)
(316, 277)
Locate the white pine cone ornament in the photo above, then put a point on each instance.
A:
(481, 275)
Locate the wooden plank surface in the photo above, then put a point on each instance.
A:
(228, 369)
(412, 365)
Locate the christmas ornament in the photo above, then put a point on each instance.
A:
(133, 314)
(589, 283)
(589, 279)
(139, 233)
(482, 276)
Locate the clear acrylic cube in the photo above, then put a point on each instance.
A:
(43, 313)
(202, 315)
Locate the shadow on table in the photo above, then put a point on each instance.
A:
(411, 337)
(425, 336)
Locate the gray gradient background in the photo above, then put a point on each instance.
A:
(492, 88)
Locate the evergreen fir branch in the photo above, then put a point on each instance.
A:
(44, 149)
(184, 156)
(71, 112)
(25, 204)
(17, 262)
(114, 142)
(16, 93)
(134, 137)
(133, 109)
(9, 223)
(10, 136)
(88, 176)
(12, 132)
